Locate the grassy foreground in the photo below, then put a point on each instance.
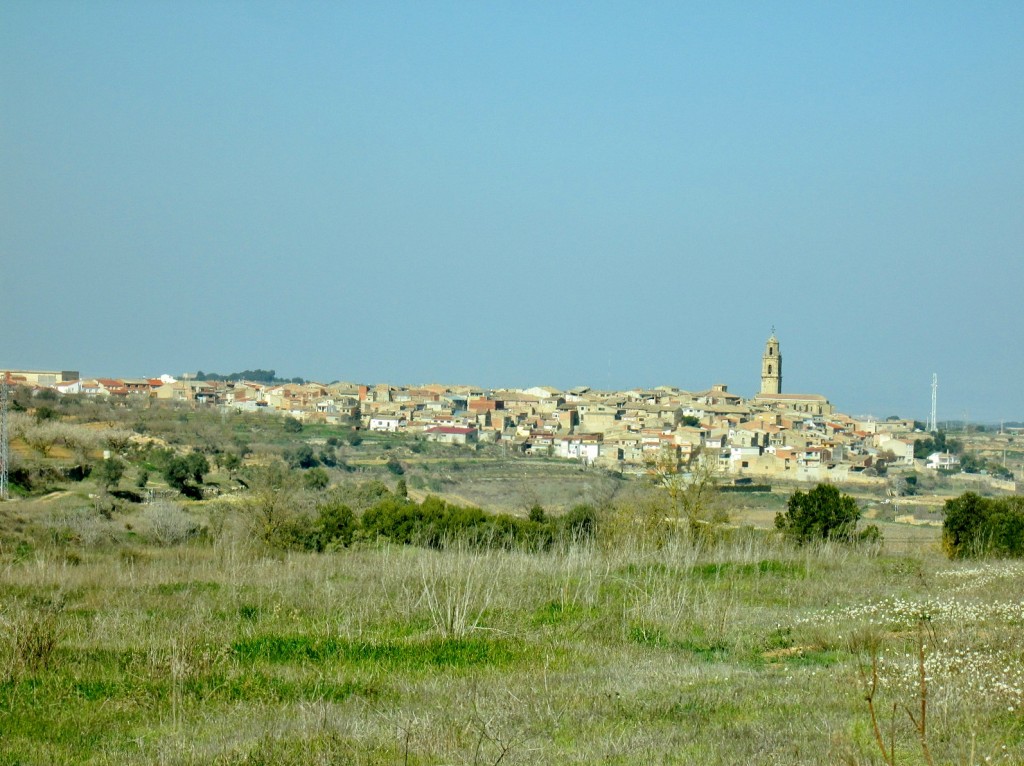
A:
(745, 651)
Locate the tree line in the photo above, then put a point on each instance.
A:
(256, 376)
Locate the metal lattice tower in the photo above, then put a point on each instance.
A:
(933, 423)
(5, 451)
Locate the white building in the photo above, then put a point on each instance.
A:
(585, 447)
(389, 423)
(944, 461)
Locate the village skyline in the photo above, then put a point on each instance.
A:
(773, 434)
(510, 196)
(747, 389)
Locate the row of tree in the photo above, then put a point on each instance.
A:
(936, 442)
(256, 376)
(332, 523)
(973, 527)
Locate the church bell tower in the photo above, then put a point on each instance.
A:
(771, 367)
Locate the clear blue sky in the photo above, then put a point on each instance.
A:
(612, 194)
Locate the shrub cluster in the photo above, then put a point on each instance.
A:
(433, 523)
(973, 463)
(824, 514)
(981, 526)
(936, 442)
(436, 524)
(331, 527)
(185, 473)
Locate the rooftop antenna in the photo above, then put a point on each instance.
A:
(4, 443)
(933, 423)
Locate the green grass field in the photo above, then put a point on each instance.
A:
(748, 650)
(140, 627)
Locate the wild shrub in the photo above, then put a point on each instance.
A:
(84, 526)
(437, 524)
(316, 479)
(361, 495)
(334, 527)
(168, 523)
(183, 473)
(823, 514)
(978, 526)
(580, 523)
(302, 457)
(108, 472)
(396, 519)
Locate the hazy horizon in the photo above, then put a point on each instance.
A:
(518, 195)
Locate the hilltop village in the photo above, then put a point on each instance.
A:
(772, 435)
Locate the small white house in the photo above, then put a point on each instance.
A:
(451, 434)
(70, 387)
(585, 447)
(389, 423)
(944, 461)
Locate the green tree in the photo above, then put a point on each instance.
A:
(334, 527)
(273, 502)
(316, 479)
(980, 526)
(175, 472)
(580, 523)
(231, 462)
(198, 466)
(109, 472)
(291, 425)
(46, 413)
(302, 457)
(821, 514)
(936, 442)
(185, 473)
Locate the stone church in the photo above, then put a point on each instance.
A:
(771, 394)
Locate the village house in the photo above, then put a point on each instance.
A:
(942, 461)
(901, 449)
(43, 378)
(387, 423)
(190, 391)
(452, 434)
(69, 387)
(598, 417)
(583, 447)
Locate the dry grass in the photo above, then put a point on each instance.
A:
(624, 651)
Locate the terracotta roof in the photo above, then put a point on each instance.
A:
(455, 430)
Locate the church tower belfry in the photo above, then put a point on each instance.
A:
(771, 367)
